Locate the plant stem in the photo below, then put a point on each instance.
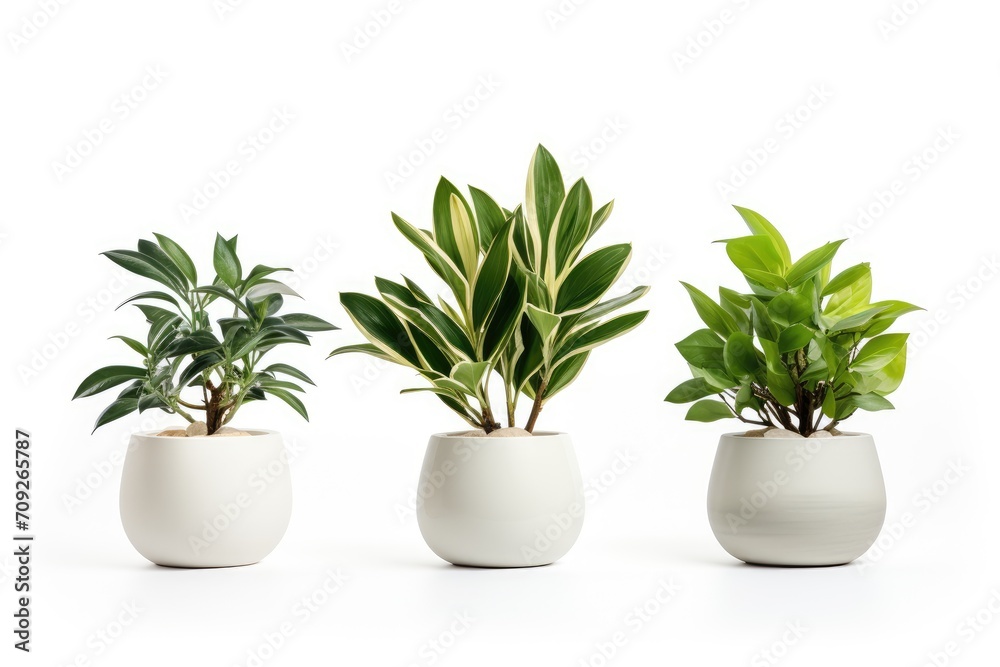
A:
(738, 415)
(536, 407)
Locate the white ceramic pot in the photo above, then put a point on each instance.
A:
(500, 502)
(796, 501)
(206, 501)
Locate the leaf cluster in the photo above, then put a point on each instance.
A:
(525, 301)
(185, 350)
(798, 346)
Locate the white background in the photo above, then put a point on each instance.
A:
(603, 87)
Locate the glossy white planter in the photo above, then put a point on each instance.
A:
(206, 502)
(796, 502)
(500, 502)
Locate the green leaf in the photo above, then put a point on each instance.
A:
(200, 364)
(760, 226)
(570, 230)
(711, 313)
(134, 344)
(781, 386)
(149, 401)
(691, 390)
(852, 297)
(266, 288)
(193, 343)
(857, 320)
(227, 264)
(591, 278)
(441, 262)
(755, 253)
(869, 402)
(470, 375)
(878, 352)
(490, 279)
(179, 257)
(503, 321)
(258, 273)
(601, 216)
(304, 322)
(604, 332)
(789, 308)
(830, 404)
(290, 371)
(762, 323)
(380, 325)
(454, 231)
(144, 266)
(116, 410)
(846, 278)
(161, 296)
(794, 337)
(702, 349)
(163, 262)
(362, 348)
(565, 372)
(268, 382)
(489, 216)
(543, 196)
(611, 305)
(289, 398)
(740, 356)
(545, 323)
(108, 377)
(708, 411)
(812, 263)
(221, 292)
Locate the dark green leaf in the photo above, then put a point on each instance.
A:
(116, 410)
(108, 377)
(227, 264)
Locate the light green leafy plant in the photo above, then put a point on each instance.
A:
(524, 304)
(182, 349)
(799, 346)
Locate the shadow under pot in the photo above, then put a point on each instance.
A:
(206, 501)
(500, 502)
(796, 501)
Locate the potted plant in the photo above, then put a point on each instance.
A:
(204, 495)
(525, 306)
(796, 355)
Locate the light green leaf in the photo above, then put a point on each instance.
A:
(794, 337)
(711, 313)
(812, 263)
(878, 352)
(709, 411)
(691, 390)
(759, 225)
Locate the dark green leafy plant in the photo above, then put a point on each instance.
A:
(524, 303)
(183, 350)
(798, 347)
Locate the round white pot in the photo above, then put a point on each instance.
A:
(500, 502)
(795, 501)
(206, 501)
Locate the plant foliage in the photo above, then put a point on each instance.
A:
(525, 303)
(222, 362)
(798, 347)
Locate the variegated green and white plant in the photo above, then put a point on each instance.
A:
(524, 304)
